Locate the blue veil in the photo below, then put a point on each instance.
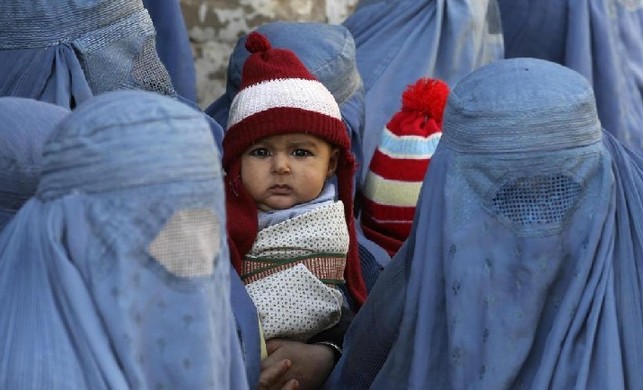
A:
(523, 268)
(64, 51)
(25, 125)
(600, 39)
(400, 41)
(116, 273)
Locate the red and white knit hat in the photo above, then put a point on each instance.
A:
(399, 164)
(278, 95)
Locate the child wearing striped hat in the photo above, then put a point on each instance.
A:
(289, 174)
(398, 166)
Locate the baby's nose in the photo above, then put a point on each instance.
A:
(281, 163)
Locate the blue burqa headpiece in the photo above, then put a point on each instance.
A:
(116, 274)
(65, 51)
(523, 268)
(400, 41)
(25, 125)
(602, 40)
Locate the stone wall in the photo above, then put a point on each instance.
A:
(215, 25)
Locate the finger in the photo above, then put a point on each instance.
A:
(291, 385)
(272, 359)
(273, 375)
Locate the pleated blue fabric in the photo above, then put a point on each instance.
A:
(115, 275)
(247, 324)
(524, 266)
(600, 39)
(173, 45)
(25, 125)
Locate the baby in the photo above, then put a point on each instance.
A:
(289, 174)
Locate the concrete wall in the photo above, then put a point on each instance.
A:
(215, 26)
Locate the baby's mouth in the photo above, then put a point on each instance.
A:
(280, 189)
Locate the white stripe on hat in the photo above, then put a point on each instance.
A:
(391, 192)
(310, 95)
(412, 147)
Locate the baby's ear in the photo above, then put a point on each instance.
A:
(333, 161)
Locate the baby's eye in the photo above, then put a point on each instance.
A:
(301, 153)
(260, 152)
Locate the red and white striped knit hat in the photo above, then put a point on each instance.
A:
(400, 162)
(278, 95)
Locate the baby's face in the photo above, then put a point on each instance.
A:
(284, 170)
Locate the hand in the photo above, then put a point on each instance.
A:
(273, 376)
(295, 365)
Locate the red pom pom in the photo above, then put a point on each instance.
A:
(428, 96)
(256, 42)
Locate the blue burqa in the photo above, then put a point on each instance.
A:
(524, 266)
(115, 274)
(25, 125)
(65, 51)
(600, 39)
(400, 41)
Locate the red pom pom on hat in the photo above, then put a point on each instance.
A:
(428, 96)
(267, 63)
(256, 43)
